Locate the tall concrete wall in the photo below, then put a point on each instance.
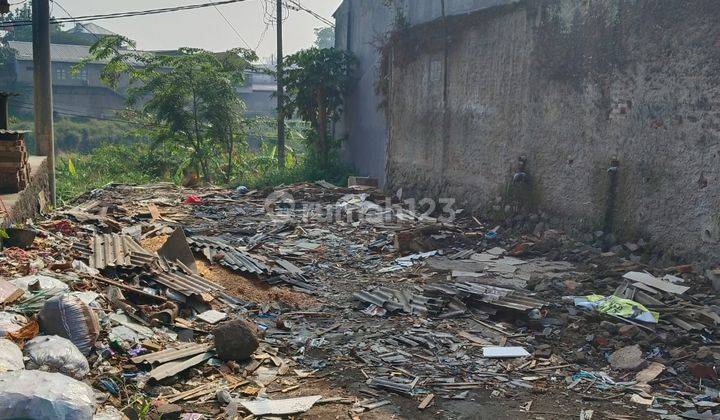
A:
(362, 27)
(571, 85)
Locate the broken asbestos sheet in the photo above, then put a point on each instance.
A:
(504, 352)
(281, 407)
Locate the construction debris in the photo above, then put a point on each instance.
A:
(215, 306)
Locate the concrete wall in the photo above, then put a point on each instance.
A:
(570, 85)
(362, 27)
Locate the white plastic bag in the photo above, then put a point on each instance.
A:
(11, 357)
(34, 394)
(56, 354)
(45, 282)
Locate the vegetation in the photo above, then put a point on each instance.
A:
(140, 162)
(325, 37)
(187, 100)
(81, 135)
(185, 121)
(316, 82)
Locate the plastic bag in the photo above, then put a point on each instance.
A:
(44, 282)
(56, 354)
(68, 316)
(11, 357)
(10, 322)
(613, 305)
(35, 394)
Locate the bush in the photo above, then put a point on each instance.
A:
(121, 163)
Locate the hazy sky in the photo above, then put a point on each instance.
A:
(205, 28)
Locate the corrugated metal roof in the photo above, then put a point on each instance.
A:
(229, 256)
(59, 53)
(186, 284)
(113, 250)
(118, 250)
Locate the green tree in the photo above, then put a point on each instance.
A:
(325, 37)
(316, 82)
(187, 99)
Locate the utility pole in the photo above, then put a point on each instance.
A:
(43, 100)
(280, 88)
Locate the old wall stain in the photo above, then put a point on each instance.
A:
(570, 84)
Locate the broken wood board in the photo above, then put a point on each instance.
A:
(656, 283)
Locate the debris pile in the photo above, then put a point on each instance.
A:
(213, 303)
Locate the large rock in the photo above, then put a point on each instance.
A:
(235, 340)
(627, 358)
(34, 394)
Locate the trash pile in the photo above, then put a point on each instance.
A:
(162, 302)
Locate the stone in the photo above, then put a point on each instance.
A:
(571, 286)
(169, 411)
(629, 331)
(235, 340)
(627, 358)
(609, 327)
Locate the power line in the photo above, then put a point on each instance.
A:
(69, 113)
(118, 15)
(297, 6)
(232, 27)
(76, 21)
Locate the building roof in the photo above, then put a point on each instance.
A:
(90, 28)
(60, 53)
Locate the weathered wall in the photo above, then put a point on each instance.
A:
(570, 84)
(362, 27)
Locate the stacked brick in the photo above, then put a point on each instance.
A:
(14, 168)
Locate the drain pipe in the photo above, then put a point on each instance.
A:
(609, 219)
(4, 114)
(521, 175)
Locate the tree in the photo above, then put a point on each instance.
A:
(188, 97)
(316, 82)
(325, 37)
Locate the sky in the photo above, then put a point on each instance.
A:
(205, 28)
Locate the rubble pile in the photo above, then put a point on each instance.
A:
(162, 302)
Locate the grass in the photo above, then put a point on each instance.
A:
(79, 173)
(138, 164)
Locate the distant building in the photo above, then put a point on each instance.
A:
(90, 32)
(80, 93)
(83, 94)
(258, 93)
